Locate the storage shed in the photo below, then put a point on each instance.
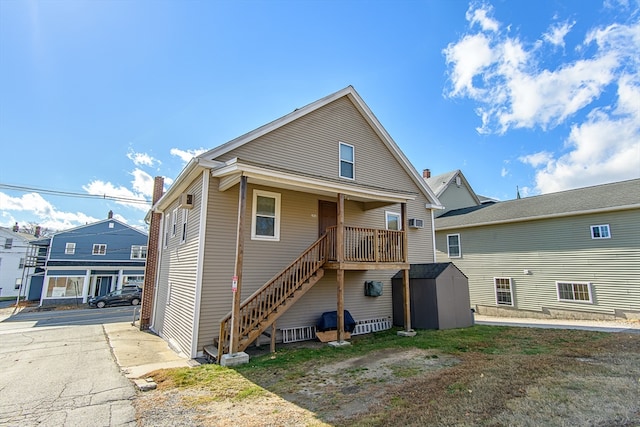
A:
(439, 297)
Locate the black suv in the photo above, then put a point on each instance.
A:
(127, 295)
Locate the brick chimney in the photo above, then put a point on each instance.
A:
(16, 228)
(426, 173)
(38, 231)
(151, 265)
(110, 215)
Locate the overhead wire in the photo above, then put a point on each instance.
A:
(73, 194)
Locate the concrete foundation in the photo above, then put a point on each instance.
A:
(234, 359)
(411, 333)
(338, 343)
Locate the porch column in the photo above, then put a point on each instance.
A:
(237, 272)
(85, 286)
(405, 274)
(340, 272)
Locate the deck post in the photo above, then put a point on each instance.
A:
(405, 274)
(340, 272)
(237, 272)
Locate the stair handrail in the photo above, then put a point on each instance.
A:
(273, 293)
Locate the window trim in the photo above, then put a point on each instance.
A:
(387, 214)
(600, 227)
(167, 223)
(352, 162)
(277, 215)
(495, 291)
(183, 236)
(98, 247)
(459, 246)
(138, 250)
(573, 290)
(174, 222)
(8, 243)
(70, 248)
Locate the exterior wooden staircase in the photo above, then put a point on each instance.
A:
(267, 304)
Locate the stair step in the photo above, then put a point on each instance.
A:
(211, 352)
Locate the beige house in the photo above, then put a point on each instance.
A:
(571, 254)
(261, 235)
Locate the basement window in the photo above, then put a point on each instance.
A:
(574, 292)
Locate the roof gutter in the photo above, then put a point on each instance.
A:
(535, 218)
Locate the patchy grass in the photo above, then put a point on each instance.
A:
(483, 375)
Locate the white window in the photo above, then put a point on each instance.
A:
(70, 249)
(167, 225)
(347, 161)
(8, 244)
(174, 222)
(99, 249)
(393, 221)
(504, 290)
(453, 245)
(265, 216)
(574, 291)
(600, 231)
(138, 252)
(183, 238)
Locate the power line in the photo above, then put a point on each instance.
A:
(72, 194)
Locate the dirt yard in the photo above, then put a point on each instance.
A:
(557, 378)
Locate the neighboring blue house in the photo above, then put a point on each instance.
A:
(91, 260)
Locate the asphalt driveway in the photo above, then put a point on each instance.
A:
(58, 370)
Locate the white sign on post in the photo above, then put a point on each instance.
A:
(234, 284)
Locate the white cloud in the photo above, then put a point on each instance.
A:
(557, 33)
(142, 183)
(504, 172)
(480, 15)
(124, 195)
(514, 88)
(46, 215)
(142, 159)
(188, 154)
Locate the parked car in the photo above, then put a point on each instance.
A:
(122, 296)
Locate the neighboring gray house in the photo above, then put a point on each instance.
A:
(571, 254)
(88, 261)
(13, 254)
(284, 223)
(454, 191)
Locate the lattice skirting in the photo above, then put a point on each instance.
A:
(306, 333)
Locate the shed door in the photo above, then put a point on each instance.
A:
(327, 215)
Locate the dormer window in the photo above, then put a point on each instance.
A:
(347, 161)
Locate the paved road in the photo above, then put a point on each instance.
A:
(57, 370)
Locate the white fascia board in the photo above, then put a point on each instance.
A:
(233, 169)
(188, 174)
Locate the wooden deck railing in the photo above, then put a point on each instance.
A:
(368, 245)
(263, 302)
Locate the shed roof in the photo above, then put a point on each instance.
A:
(426, 271)
(606, 197)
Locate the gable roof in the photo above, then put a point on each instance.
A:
(17, 234)
(96, 223)
(440, 183)
(600, 198)
(209, 158)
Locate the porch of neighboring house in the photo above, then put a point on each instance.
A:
(340, 248)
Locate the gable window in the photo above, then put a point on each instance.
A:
(8, 244)
(138, 252)
(99, 249)
(347, 161)
(600, 231)
(184, 225)
(453, 245)
(392, 221)
(574, 291)
(70, 249)
(504, 290)
(174, 222)
(265, 216)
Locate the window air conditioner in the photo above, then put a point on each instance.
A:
(186, 201)
(416, 223)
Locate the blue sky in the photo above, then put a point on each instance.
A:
(98, 97)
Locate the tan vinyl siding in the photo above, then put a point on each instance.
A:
(178, 268)
(264, 259)
(559, 249)
(455, 197)
(310, 145)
